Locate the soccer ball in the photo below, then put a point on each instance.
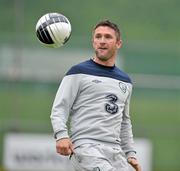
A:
(53, 29)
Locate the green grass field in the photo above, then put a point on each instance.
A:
(25, 107)
(156, 116)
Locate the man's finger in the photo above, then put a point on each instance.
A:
(71, 148)
(134, 163)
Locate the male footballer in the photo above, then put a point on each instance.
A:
(95, 97)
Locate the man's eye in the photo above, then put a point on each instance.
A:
(98, 36)
(108, 37)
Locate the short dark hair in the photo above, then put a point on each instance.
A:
(111, 25)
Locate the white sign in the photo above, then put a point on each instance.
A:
(144, 153)
(28, 152)
(32, 152)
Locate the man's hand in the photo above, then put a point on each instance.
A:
(64, 146)
(134, 163)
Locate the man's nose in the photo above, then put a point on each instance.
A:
(102, 40)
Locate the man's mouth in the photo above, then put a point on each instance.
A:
(102, 48)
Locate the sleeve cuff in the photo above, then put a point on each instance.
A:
(131, 154)
(61, 134)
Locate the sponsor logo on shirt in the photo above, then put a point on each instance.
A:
(96, 81)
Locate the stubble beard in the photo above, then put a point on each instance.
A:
(102, 57)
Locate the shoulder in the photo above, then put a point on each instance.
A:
(89, 67)
(81, 68)
(123, 76)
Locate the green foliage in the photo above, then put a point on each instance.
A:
(139, 20)
(151, 58)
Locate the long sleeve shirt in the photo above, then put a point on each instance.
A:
(95, 99)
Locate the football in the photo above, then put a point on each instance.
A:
(53, 30)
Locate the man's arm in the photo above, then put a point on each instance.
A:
(62, 105)
(127, 135)
(126, 129)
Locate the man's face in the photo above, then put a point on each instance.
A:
(105, 43)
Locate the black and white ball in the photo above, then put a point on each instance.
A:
(53, 29)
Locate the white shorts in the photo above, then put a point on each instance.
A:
(97, 157)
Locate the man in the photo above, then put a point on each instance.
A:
(95, 96)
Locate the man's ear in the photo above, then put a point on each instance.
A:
(119, 43)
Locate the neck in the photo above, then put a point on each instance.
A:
(109, 62)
